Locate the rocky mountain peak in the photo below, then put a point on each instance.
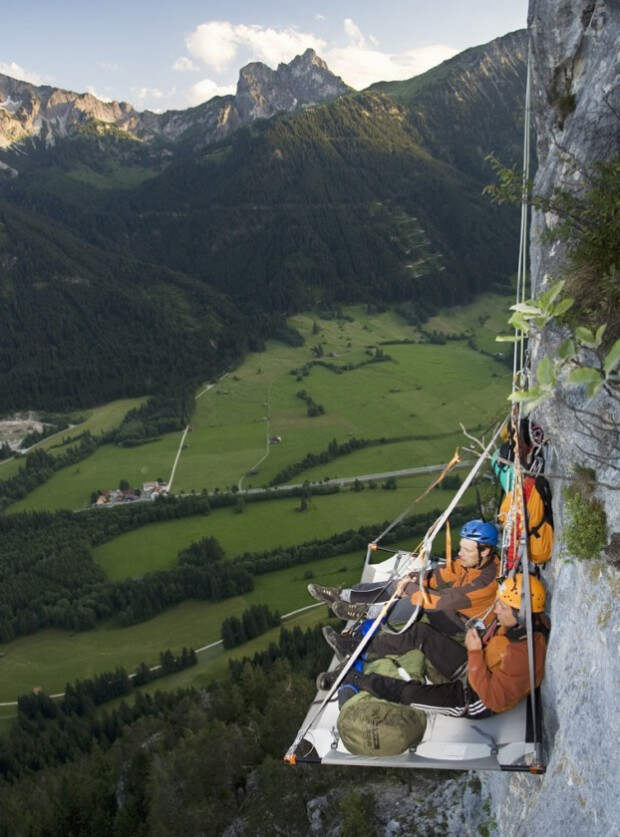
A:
(302, 63)
(45, 114)
(262, 92)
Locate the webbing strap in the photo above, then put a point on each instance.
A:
(450, 465)
(433, 530)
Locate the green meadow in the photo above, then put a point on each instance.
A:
(71, 487)
(98, 420)
(486, 317)
(262, 525)
(426, 390)
(51, 658)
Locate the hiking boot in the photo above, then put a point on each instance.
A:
(345, 692)
(326, 679)
(324, 594)
(350, 610)
(343, 646)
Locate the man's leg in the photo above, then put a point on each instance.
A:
(442, 622)
(444, 653)
(451, 698)
(369, 592)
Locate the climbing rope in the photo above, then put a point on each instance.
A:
(518, 365)
(517, 523)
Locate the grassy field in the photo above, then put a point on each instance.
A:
(51, 658)
(377, 459)
(263, 525)
(115, 176)
(425, 390)
(70, 488)
(97, 420)
(486, 317)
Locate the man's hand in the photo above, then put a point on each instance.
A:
(472, 640)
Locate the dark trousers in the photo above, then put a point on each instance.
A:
(443, 652)
(453, 698)
(373, 592)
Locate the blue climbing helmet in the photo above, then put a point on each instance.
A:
(481, 532)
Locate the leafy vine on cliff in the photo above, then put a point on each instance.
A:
(586, 298)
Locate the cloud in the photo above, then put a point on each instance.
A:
(207, 89)
(185, 65)
(108, 66)
(143, 93)
(217, 43)
(361, 64)
(10, 68)
(222, 46)
(354, 33)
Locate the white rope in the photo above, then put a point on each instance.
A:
(518, 364)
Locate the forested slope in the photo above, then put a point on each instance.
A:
(123, 264)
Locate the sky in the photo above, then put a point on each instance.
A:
(162, 55)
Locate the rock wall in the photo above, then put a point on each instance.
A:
(576, 111)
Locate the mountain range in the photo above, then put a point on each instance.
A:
(46, 114)
(138, 249)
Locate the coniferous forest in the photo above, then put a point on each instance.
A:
(113, 288)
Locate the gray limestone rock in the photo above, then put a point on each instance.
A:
(317, 811)
(576, 110)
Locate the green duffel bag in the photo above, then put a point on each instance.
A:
(369, 726)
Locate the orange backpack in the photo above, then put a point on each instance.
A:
(539, 517)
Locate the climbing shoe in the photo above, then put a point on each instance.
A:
(350, 610)
(324, 594)
(343, 646)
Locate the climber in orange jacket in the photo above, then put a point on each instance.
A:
(496, 664)
(452, 595)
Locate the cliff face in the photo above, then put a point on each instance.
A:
(576, 111)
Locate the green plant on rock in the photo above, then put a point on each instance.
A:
(588, 223)
(587, 298)
(357, 812)
(585, 533)
(581, 355)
